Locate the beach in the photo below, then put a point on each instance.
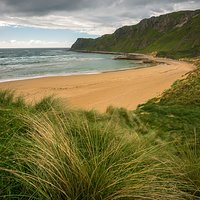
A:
(127, 88)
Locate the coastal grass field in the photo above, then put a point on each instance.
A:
(51, 151)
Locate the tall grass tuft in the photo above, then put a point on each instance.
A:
(48, 151)
(71, 158)
(47, 103)
(8, 98)
(186, 165)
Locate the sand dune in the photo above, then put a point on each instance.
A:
(121, 88)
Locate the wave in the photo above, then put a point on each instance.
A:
(49, 75)
(43, 59)
(47, 63)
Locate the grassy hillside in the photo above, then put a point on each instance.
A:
(177, 112)
(49, 151)
(173, 35)
(53, 153)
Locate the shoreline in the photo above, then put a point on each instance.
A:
(122, 88)
(120, 56)
(77, 74)
(141, 61)
(46, 76)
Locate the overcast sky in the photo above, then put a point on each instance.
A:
(58, 23)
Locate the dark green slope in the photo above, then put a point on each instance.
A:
(174, 35)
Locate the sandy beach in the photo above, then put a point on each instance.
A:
(127, 88)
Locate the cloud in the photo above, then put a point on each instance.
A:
(30, 44)
(41, 7)
(90, 16)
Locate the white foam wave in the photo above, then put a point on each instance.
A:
(49, 75)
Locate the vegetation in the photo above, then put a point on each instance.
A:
(177, 111)
(174, 35)
(48, 151)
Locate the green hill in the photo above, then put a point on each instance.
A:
(172, 35)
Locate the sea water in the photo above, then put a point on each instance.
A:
(18, 64)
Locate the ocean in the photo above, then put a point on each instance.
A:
(19, 64)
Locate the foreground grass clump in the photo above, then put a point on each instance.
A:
(186, 164)
(53, 153)
(73, 159)
(48, 151)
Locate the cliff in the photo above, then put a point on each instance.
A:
(173, 35)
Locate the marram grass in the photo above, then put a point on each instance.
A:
(73, 159)
(48, 152)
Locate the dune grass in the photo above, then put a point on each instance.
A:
(175, 116)
(53, 153)
(71, 158)
(186, 164)
(177, 112)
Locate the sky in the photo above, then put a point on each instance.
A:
(58, 23)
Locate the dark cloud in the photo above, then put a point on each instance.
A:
(92, 16)
(42, 7)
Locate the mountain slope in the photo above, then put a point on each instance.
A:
(173, 35)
